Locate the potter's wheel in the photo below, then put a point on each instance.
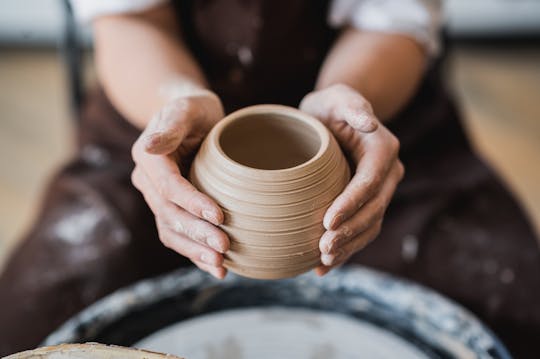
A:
(279, 333)
(350, 313)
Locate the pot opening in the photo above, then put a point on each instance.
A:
(270, 141)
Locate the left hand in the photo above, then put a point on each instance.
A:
(355, 217)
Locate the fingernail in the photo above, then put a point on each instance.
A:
(326, 222)
(330, 222)
(322, 272)
(327, 259)
(216, 244)
(221, 275)
(369, 126)
(336, 221)
(210, 216)
(158, 142)
(152, 140)
(325, 242)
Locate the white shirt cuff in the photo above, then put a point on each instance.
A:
(87, 10)
(419, 19)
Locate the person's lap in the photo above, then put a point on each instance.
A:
(455, 227)
(94, 235)
(468, 240)
(474, 246)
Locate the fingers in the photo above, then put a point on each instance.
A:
(353, 235)
(176, 203)
(372, 147)
(365, 218)
(183, 233)
(163, 173)
(353, 246)
(178, 219)
(191, 114)
(341, 103)
(163, 136)
(322, 270)
(169, 126)
(196, 252)
(218, 272)
(380, 154)
(355, 215)
(198, 230)
(330, 261)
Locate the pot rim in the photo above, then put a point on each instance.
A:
(268, 109)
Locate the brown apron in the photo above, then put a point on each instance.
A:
(452, 225)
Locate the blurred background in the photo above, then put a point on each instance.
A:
(493, 68)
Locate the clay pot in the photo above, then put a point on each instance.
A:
(274, 171)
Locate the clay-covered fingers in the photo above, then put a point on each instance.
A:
(184, 216)
(164, 174)
(180, 231)
(341, 103)
(194, 114)
(178, 219)
(380, 155)
(196, 229)
(155, 153)
(353, 219)
(365, 218)
(199, 254)
(371, 147)
(167, 128)
(340, 256)
(218, 272)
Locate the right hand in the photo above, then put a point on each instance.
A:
(186, 219)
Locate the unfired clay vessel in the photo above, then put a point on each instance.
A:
(274, 171)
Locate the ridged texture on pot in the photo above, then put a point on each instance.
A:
(273, 217)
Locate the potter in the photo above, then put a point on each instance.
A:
(274, 171)
(170, 71)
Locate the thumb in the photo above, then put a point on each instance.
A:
(168, 128)
(341, 103)
(357, 113)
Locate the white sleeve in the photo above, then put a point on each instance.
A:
(419, 19)
(87, 10)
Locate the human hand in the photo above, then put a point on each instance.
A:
(186, 219)
(355, 217)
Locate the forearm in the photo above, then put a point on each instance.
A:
(141, 61)
(385, 68)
